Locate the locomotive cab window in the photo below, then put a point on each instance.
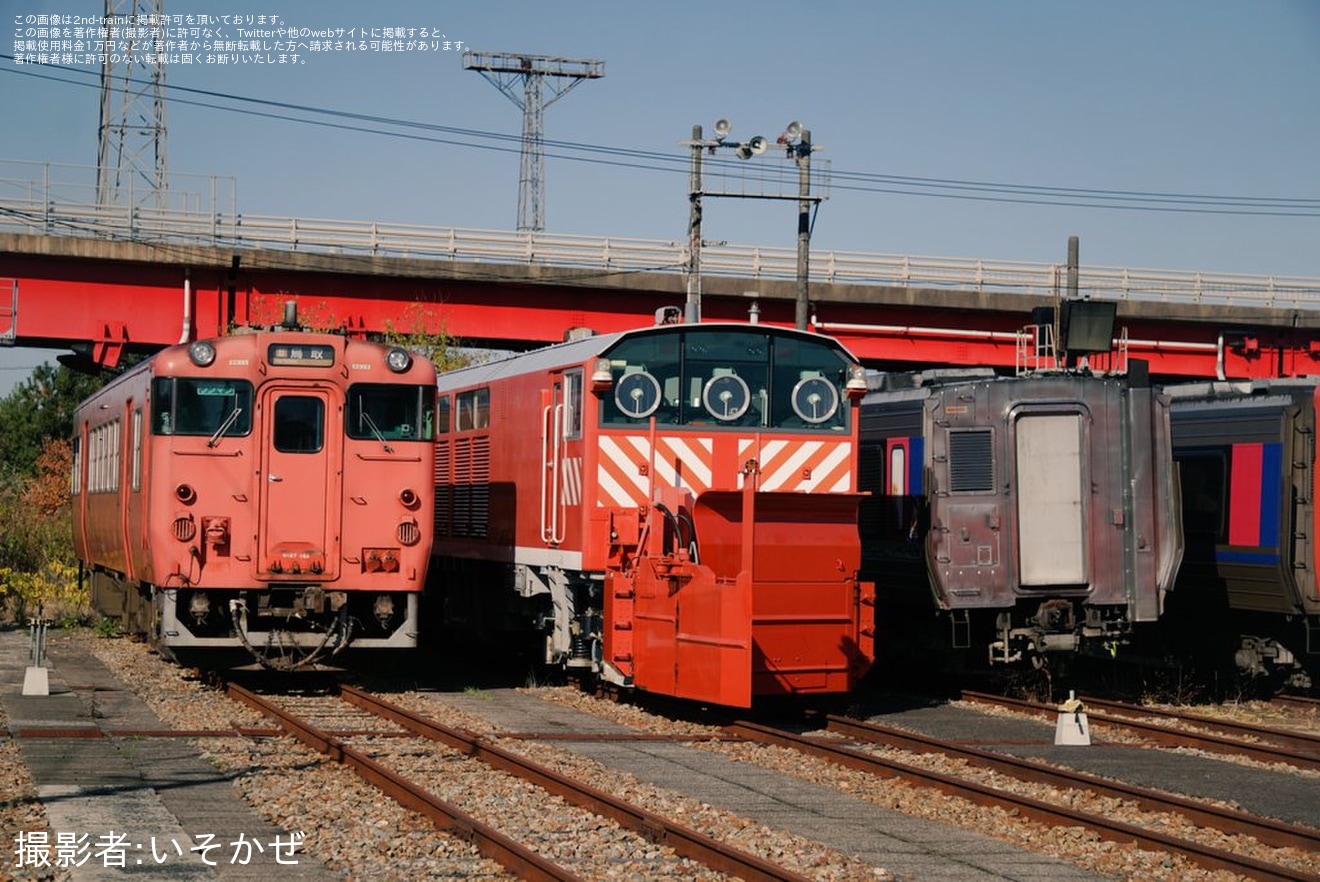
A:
(573, 404)
(191, 406)
(726, 378)
(386, 412)
(299, 424)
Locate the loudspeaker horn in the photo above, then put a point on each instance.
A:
(722, 127)
(758, 145)
(793, 130)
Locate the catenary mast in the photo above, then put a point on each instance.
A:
(533, 83)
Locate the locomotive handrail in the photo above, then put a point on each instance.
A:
(29, 212)
(556, 491)
(547, 433)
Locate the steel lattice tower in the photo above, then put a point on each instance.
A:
(130, 159)
(505, 70)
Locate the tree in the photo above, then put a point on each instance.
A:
(37, 569)
(40, 407)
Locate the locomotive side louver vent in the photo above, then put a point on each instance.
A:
(471, 487)
(971, 462)
(443, 491)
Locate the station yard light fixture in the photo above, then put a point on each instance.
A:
(796, 142)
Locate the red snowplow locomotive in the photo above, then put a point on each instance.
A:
(260, 496)
(672, 509)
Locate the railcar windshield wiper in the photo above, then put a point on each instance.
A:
(225, 426)
(371, 424)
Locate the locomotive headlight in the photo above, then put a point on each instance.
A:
(398, 360)
(201, 353)
(856, 385)
(602, 376)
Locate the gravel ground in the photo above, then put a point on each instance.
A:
(1077, 845)
(19, 809)
(352, 828)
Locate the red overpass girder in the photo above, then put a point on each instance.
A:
(913, 337)
(108, 304)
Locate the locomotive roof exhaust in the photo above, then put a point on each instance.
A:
(290, 315)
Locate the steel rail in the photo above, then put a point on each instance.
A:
(490, 842)
(1037, 810)
(1266, 753)
(1301, 702)
(1265, 830)
(1302, 741)
(683, 840)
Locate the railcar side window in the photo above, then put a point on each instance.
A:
(76, 488)
(299, 424)
(473, 410)
(193, 406)
(385, 412)
(137, 449)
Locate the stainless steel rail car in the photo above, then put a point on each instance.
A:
(1017, 517)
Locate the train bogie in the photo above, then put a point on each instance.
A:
(262, 496)
(671, 509)
(1019, 517)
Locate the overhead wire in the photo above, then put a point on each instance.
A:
(658, 161)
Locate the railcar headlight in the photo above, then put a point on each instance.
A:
(201, 353)
(398, 360)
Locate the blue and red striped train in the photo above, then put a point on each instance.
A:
(1247, 589)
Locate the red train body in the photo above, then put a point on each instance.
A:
(263, 494)
(672, 509)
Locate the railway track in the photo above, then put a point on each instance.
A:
(1226, 822)
(1179, 729)
(376, 717)
(1303, 703)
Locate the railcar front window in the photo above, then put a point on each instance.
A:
(299, 424)
(190, 406)
(384, 412)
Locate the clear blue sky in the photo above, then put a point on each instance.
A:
(1192, 97)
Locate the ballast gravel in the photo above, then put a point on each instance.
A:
(361, 834)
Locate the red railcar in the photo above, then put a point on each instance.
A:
(260, 495)
(672, 509)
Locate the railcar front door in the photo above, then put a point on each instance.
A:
(298, 535)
